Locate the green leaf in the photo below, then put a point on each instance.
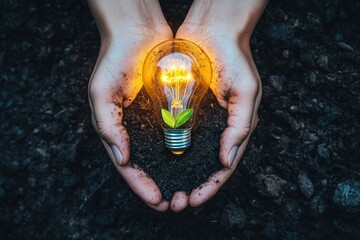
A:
(168, 118)
(183, 117)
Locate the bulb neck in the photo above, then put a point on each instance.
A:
(177, 140)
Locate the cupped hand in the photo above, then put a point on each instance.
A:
(237, 87)
(114, 84)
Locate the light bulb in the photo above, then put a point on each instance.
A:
(176, 75)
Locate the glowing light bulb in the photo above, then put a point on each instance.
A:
(176, 75)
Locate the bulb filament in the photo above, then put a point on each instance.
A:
(176, 76)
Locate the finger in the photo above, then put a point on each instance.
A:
(107, 120)
(179, 201)
(161, 207)
(136, 178)
(208, 189)
(241, 106)
(140, 182)
(115, 82)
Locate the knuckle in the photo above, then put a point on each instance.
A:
(245, 131)
(102, 132)
(98, 89)
(111, 131)
(94, 90)
(102, 129)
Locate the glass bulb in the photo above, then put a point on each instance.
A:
(176, 75)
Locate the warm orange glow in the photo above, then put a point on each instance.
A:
(176, 73)
(177, 152)
(176, 76)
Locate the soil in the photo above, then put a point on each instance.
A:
(175, 172)
(299, 178)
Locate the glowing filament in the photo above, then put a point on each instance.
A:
(176, 76)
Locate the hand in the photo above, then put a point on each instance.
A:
(128, 32)
(236, 82)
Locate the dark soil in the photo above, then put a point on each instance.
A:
(175, 172)
(299, 178)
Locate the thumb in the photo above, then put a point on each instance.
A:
(239, 123)
(107, 115)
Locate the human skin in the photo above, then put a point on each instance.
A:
(223, 29)
(128, 30)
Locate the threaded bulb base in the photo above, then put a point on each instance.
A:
(177, 140)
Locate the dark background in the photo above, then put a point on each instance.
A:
(299, 178)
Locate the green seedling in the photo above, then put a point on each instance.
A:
(181, 118)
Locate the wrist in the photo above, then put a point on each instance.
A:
(231, 18)
(113, 17)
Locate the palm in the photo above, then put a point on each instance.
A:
(115, 82)
(236, 85)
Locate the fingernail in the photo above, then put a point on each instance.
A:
(117, 154)
(232, 155)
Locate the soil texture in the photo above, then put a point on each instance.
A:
(298, 179)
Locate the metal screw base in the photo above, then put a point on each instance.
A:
(177, 140)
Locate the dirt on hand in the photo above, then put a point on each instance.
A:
(298, 179)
